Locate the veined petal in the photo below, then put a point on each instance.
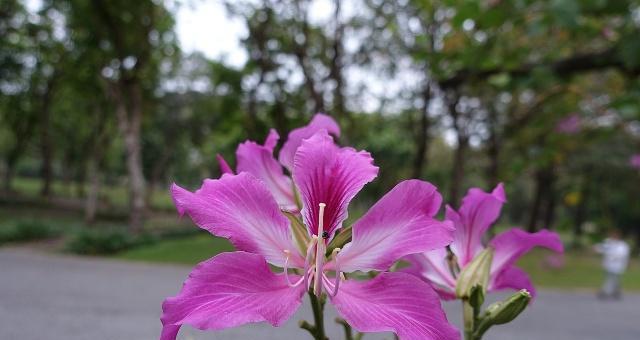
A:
(512, 278)
(319, 122)
(478, 211)
(258, 160)
(326, 173)
(512, 244)
(432, 266)
(401, 223)
(230, 290)
(241, 209)
(224, 166)
(395, 302)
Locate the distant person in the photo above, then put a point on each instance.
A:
(615, 257)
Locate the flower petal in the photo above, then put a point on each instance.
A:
(325, 173)
(478, 211)
(401, 223)
(258, 160)
(512, 244)
(241, 209)
(319, 122)
(512, 278)
(229, 290)
(432, 266)
(395, 302)
(224, 166)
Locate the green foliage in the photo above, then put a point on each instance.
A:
(27, 230)
(106, 241)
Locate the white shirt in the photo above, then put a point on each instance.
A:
(615, 255)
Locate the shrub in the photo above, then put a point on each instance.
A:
(22, 231)
(106, 241)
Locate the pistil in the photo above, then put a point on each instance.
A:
(320, 250)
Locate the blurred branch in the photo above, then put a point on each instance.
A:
(609, 58)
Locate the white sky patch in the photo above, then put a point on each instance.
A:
(205, 27)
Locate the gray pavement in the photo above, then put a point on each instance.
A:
(57, 297)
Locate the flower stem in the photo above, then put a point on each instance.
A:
(469, 316)
(317, 306)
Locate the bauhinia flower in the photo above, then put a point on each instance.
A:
(478, 212)
(236, 288)
(259, 160)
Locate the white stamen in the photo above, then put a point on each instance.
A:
(339, 274)
(307, 260)
(320, 249)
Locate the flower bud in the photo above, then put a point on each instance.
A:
(507, 310)
(503, 312)
(476, 273)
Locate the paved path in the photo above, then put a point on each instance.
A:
(54, 297)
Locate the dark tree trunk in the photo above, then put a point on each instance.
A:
(457, 173)
(46, 145)
(458, 167)
(493, 151)
(422, 136)
(581, 209)
(543, 200)
(550, 203)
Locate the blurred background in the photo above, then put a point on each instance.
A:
(104, 103)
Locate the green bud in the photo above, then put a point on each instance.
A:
(476, 273)
(507, 310)
(502, 312)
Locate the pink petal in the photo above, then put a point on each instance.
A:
(512, 278)
(296, 136)
(432, 266)
(241, 209)
(478, 211)
(272, 140)
(258, 160)
(325, 173)
(224, 166)
(401, 223)
(230, 290)
(395, 302)
(512, 244)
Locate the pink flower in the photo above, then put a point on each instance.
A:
(570, 124)
(259, 160)
(634, 161)
(478, 212)
(233, 289)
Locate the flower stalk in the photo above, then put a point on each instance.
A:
(317, 306)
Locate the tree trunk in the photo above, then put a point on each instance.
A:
(457, 173)
(129, 122)
(93, 195)
(493, 151)
(422, 137)
(550, 203)
(46, 145)
(581, 209)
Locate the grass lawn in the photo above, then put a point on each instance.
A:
(581, 270)
(187, 250)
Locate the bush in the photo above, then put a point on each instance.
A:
(106, 241)
(23, 231)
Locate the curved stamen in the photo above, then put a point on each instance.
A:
(337, 269)
(307, 260)
(320, 249)
(286, 271)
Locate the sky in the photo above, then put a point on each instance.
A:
(204, 26)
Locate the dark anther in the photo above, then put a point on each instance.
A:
(325, 235)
